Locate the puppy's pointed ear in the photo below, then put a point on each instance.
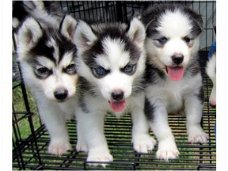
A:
(84, 36)
(136, 32)
(197, 21)
(29, 34)
(68, 27)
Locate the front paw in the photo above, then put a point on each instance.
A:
(167, 149)
(197, 135)
(81, 147)
(99, 154)
(143, 143)
(59, 146)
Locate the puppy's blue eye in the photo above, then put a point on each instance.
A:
(162, 40)
(129, 69)
(99, 72)
(187, 39)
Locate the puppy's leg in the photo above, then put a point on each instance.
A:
(193, 110)
(211, 72)
(54, 121)
(81, 142)
(142, 141)
(212, 98)
(91, 126)
(158, 119)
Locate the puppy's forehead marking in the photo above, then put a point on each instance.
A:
(52, 44)
(174, 23)
(115, 51)
(67, 59)
(42, 60)
(102, 60)
(42, 49)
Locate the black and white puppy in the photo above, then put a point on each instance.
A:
(173, 76)
(47, 56)
(111, 64)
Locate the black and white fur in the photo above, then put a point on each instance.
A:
(47, 57)
(173, 32)
(211, 72)
(111, 65)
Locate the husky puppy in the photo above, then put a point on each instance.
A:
(47, 57)
(111, 63)
(173, 74)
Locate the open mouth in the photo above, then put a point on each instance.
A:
(117, 106)
(175, 73)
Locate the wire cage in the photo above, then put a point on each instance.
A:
(30, 138)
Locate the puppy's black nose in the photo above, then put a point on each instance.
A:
(117, 95)
(177, 59)
(60, 94)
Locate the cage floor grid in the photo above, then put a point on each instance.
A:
(118, 134)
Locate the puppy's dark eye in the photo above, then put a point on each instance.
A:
(43, 72)
(70, 69)
(162, 40)
(129, 69)
(99, 71)
(187, 39)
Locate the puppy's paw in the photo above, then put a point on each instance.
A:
(143, 143)
(197, 135)
(212, 102)
(81, 147)
(167, 149)
(59, 146)
(99, 155)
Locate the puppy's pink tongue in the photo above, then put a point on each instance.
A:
(117, 106)
(175, 73)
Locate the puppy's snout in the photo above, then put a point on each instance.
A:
(177, 59)
(61, 94)
(118, 95)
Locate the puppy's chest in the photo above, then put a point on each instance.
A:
(68, 108)
(171, 95)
